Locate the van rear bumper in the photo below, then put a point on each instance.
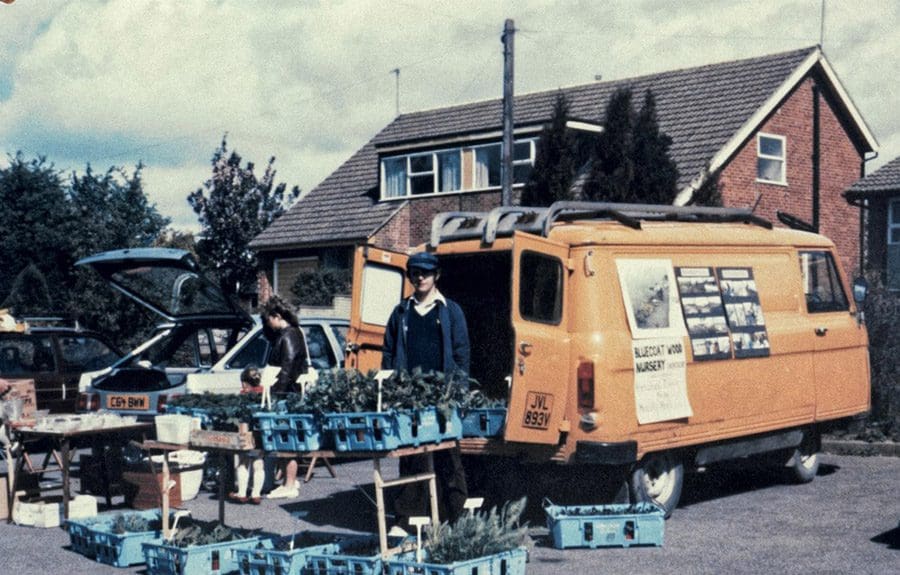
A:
(606, 453)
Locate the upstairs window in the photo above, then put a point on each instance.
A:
(420, 174)
(441, 171)
(770, 159)
(821, 283)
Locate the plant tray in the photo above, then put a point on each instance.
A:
(483, 422)
(389, 430)
(164, 559)
(352, 557)
(595, 526)
(505, 563)
(236, 440)
(270, 557)
(93, 537)
(289, 431)
(198, 412)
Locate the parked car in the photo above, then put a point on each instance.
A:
(204, 343)
(54, 356)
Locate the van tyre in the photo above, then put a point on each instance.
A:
(658, 478)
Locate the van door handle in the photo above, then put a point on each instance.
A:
(525, 348)
(821, 331)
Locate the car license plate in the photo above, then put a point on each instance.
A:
(128, 402)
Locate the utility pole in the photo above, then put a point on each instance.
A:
(396, 72)
(506, 164)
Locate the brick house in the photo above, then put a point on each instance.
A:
(880, 191)
(780, 130)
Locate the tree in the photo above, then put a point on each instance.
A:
(30, 294)
(234, 206)
(556, 162)
(612, 167)
(655, 177)
(631, 162)
(318, 288)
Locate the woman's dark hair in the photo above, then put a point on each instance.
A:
(277, 306)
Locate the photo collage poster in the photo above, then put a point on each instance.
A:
(704, 313)
(744, 314)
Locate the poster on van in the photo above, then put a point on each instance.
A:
(660, 380)
(704, 313)
(745, 316)
(651, 298)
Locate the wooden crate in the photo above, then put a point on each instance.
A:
(142, 489)
(236, 440)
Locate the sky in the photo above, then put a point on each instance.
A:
(117, 82)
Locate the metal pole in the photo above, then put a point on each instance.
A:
(506, 171)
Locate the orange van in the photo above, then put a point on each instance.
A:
(646, 338)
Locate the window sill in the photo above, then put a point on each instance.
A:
(772, 183)
(453, 193)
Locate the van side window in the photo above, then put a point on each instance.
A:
(821, 284)
(540, 288)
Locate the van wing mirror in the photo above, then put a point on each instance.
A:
(860, 289)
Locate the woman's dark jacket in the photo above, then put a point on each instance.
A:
(288, 353)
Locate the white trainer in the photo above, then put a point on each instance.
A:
(286, 492)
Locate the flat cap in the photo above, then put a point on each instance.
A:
(423, 261)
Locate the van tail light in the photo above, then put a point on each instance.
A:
(586, 385)
(161, 403)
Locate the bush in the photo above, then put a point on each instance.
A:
(318, 288)
(882, 309)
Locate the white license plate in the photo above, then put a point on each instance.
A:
(128, 402)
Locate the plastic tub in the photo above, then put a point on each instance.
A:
(188, 464)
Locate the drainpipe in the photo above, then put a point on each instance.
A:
(816, 159)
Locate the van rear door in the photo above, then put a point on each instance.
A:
(380, 276)
(538, 395)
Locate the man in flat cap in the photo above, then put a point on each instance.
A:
(428, 331)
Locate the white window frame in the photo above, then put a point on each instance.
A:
(435, 172)
(761, 156)
(893, 210)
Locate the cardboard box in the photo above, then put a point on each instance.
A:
(143, 489)
(22, 389)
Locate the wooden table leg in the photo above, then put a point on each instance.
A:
(432, 490)
(223, 462)
(379, 504)
(64, 455)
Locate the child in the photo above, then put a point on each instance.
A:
(250, 383)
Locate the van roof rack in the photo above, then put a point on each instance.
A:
(503, 221)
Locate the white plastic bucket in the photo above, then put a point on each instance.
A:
(189, 466)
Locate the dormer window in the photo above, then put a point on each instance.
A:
(471, 168)
(770, 159)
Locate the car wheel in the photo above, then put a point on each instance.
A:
(658, 478)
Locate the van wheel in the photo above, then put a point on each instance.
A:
(804, 462)
(658, 479)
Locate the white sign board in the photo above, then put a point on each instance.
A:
(660, 380)
(651, 298)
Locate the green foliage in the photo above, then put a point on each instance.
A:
(709, 193)
(631, 163)
(134, 523)
(226, 411)
(349, 391)
(197, 533)
(50, 222)
(234, 206)
(556, 162)
(882, 309)
(477, 534)
(319, 287)
(29, 294)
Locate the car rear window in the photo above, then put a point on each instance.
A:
(85, 353)
(22, 355)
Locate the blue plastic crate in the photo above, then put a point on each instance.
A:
(354, 557)
(163, 559)
(289, 431)
(84, 532)
(620, 525)
(124, 549)
(505, 563)
(483, 422)
(390, 429)
(270, 558)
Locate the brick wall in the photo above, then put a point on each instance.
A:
(411, 225)
(839, 168)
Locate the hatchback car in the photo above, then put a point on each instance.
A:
(201, 326)
(54, 357)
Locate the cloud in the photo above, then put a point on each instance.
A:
(121, 81)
